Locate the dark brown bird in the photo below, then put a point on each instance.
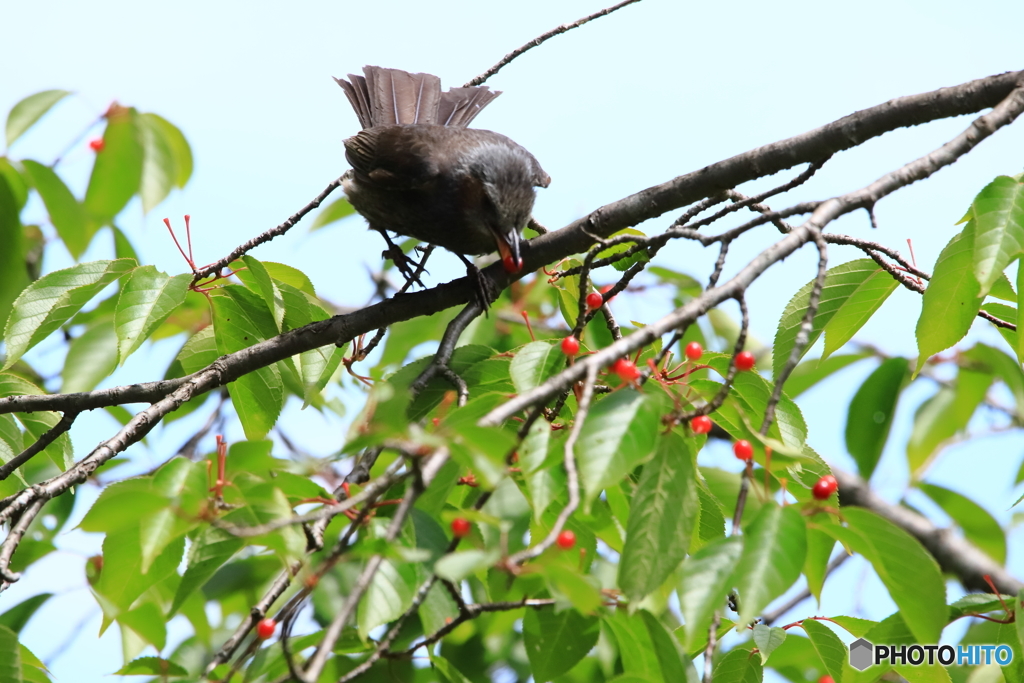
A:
(417, 169)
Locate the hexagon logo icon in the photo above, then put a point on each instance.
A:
(861, 652)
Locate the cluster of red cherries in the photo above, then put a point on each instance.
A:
(461, 528)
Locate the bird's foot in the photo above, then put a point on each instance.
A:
(404, 263)
(484, 289)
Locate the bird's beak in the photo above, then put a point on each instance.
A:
(508, 248)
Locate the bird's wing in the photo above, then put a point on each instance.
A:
(392, 157)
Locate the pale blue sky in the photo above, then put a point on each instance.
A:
(654, 91)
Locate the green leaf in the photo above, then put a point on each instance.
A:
(199, 351)
(704, 584)
(980, 527)
(939, 418)
(767, 638)
(335, 211)
(117, 174)
(107, 514)
(829, 647)
(166, 159)
(16, 617)
(556, 642)
(210, 549)
(952, 300)
(810, 372)
(774, 547)
(25, 113)
(147, 622)
(13, 274)
(38, 423)
(389, 595)
(908, 571)
(122, 581)
(10, 656)
(67, 215)
(92, 356)
(738, 666)
(619, 434)
(51, 300)
(871, 413)
(851, 294)
(661, 519)
(316, 367)
(147, 299)
(999, 234)
(854, 626)
(624, 264)
(457, 566)
(535, 363)
(819, 550)
(152, 666)
(645, 646)
(241, 319)
(446, 668)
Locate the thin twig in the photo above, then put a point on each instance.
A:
(540, 39)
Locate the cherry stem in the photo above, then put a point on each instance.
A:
(529, 327)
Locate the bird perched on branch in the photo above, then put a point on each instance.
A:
(417, 169)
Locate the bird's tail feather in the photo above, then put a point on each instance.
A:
(387, 97)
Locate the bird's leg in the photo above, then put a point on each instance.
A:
(401, 260)
(485, 292)
(439, 363)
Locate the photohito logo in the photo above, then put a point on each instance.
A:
(864, 654)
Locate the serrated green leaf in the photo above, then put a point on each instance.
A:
(121, 580)
(29, 110)
(810, 372)
(107, 513)
(68, 217)
(623, 264)
(819, 550)
(704, 584)
(620, 433)
(166, 159)
(943, 415)
(17, 616)
(952, 299)
(38, 423)
(908, 571)
(51, 300)
(446, 668)
(152, 666)
(457, 566)
(851, 294)
(13, 275)
(10, 656)
(241, 319)
(556, 642)
(980, 527)
(661, 519)
(210, 549)
(535, 363)
(774, 548)
(147, 622)
(92, 357)
(738, 666)
(388, 596)
(147, 299)
(999, 234)
(767, 638)
(335, 211)
(829, 647)
(872, 411)
(199, 351)
(645, 647)
(117, 173)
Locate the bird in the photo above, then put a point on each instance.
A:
(418, 170)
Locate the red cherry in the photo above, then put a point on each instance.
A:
(266, 628)
(743, 450)
(566, 540)
(825, 487)
(570, 345)
(594, 300)
(626, 370)
(745, 360)
(826, 679)
(701, 424)
(694, 351)
(96, 145)
(510, 265)
(460, 527)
